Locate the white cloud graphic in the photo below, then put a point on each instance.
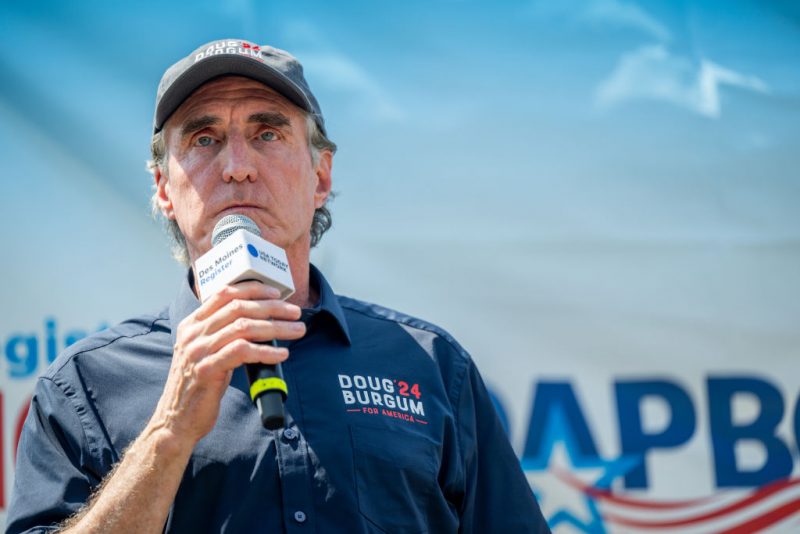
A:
(625, 14)
(325, 66)
(613, 13)
(652, 73)
(338, 72)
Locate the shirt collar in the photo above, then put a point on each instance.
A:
(328, 304)
(186, 302)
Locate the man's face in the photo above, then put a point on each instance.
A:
(237, 146)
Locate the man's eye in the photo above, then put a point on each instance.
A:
(268, 136)
(204, 140)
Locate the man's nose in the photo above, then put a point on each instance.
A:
(240, 161)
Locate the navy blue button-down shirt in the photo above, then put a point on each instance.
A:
(389, 429)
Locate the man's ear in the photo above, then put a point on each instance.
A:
(163, 198)
(324, 178)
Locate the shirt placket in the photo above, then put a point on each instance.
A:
(295, 475)
(294, 466)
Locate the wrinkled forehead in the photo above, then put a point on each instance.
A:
(226, 91)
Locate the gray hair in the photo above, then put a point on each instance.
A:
(322, 221)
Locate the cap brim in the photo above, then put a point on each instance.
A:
(225, 65)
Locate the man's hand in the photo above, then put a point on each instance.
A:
(222, 334)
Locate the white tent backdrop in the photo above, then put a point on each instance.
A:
(598, 198)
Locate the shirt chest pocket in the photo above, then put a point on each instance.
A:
(396, 478)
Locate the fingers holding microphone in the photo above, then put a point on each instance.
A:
(240, 310)
(238, 329)
(225, 332)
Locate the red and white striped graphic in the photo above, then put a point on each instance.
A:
(774, 507)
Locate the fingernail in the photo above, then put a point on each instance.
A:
(272, 292)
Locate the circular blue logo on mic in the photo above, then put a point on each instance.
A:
(252, 250)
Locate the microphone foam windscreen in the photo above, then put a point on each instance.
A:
(229, 224)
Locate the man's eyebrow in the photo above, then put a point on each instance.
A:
(274, 119)
(194, 125)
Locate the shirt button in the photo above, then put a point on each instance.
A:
(300, 516)
(291, 435)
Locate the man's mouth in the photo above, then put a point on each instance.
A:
(239, 207)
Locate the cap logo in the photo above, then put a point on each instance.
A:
(230, 47)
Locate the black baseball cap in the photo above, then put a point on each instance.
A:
(271, 66)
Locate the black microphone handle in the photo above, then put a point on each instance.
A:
(268, 392)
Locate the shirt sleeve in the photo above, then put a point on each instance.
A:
(498, 497)
(52, 476)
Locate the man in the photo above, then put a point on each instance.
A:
(148, 427)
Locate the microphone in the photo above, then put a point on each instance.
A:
(239, 254)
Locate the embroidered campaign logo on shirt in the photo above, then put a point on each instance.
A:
(374, 395)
